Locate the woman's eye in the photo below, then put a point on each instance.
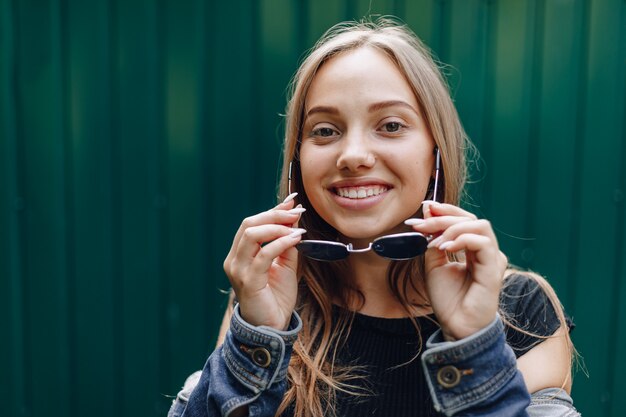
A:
(392, 127)
(324, 132)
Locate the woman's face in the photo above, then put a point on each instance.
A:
(366, 156)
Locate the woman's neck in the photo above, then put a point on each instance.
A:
(369, 276)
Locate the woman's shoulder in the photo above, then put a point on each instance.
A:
(524, 295)
(522, 290)
(530, 309)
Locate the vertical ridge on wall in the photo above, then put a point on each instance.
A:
(556, 143)
(281, 41)
(183, 184)
(481, 173)
(213, 273)
(442, 17)
(167, 301)
(518, 213)
(272, 37)
(45, 285)
(66, 240)
(90, 138)
(11, 204)
(349, 9)
(581, 127)
(618, 402)
(205, 75)
(141, 204)
(535, 45)
(69, 202)
(372, 9)
(480, 180)
(596, 199)
(466, 48)
(618, 315)
(507, 177)
(469, 49)
(322, 14)
(114, 178)
(398, 7)
(418, 14)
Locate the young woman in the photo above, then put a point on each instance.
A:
(368, 290)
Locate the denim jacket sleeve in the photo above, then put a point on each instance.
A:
(478, 376)
(250, 368)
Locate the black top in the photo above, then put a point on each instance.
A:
(390, 350)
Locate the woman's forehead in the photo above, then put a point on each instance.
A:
(364, 75)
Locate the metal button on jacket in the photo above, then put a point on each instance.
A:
(448, 376)
(261, 357)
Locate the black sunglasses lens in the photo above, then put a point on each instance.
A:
(401, 247)
(322, 251)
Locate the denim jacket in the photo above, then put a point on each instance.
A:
(475, 376)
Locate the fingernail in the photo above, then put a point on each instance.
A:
(427, 204)
(296, 210)
(290, 197)
(297, 232)
(435, 242)
(445, 245)
(426, 207)
(414, 221)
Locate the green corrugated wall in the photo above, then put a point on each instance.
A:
(135, 135)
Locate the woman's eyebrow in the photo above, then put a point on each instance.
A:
(391, 103)
(322, 109)
(372, 108)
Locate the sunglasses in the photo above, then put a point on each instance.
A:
(399, 246)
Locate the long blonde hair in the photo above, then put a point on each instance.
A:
(314, 377)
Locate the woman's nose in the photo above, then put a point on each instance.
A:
(356, 152)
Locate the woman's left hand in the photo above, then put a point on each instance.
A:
(464, 294)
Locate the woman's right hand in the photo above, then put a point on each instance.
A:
(262, 265)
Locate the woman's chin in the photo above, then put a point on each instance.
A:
(367, 233)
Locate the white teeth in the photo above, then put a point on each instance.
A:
(360, 192)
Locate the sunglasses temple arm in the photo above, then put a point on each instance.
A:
(289, 177)
(437, 168)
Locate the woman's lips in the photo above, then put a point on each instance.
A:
(359, 197)
(361, 191)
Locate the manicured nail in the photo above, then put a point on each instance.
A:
(414, 221)
(290, 197)
(445, 245)
(296, 210)
(435, 242)
(297, 232)
(426, 207)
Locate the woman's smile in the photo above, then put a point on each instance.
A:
(359, 194)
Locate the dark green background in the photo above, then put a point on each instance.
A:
(135, 136)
